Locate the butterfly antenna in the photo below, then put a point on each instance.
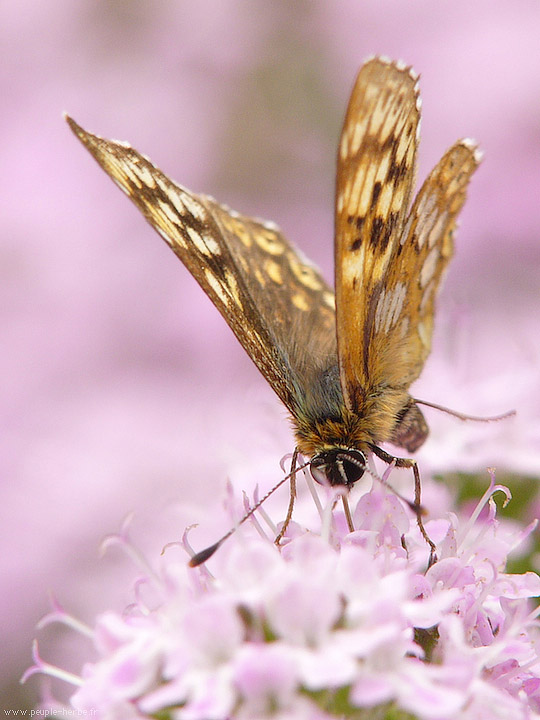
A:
(202, 556)
(462, 416)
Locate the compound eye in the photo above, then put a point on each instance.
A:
(353, 471)
(319, 469)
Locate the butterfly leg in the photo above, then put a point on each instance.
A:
(347, 511)
(292, 498)
(417, 505)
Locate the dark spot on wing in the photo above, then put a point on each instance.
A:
(397, 171)
(377, 187)
(382, 231)
(359, 222)
(377, 232)
(370, 317)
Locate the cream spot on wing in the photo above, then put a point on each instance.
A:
(407, 229)
(364, 202)
(411, 155)
(351, 269)
(300, 301)
(146, 176)
(385, 200)
(205, 244)
(212, 245)
(261, 279)
(194, 207)
(387, 125)
(181, 199)
(398, 199)
(384, 166)
(329, 299)
(163, 186)
(305, 274)
(426, 216)
(379, 310)
(396, 307)
(389, 307)
(427, 297)
(344, 145)
(358, 133)
(437, 229)
(233, 287)
(129, 173)
(216, 286)
(273, 271)
(427, 202)
(401, 148)
(169, 212)
(379, 264)
(175, 198)
(269, 242)
(242, 233)
(429, 266)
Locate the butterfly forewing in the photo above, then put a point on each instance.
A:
(375, 177)
(389, 261)
(277, 304)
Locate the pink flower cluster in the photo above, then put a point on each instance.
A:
(333, 624)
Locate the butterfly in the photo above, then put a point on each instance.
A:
(341, 362)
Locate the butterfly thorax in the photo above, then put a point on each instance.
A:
(342, 428)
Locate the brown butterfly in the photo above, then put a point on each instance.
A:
(342, 365)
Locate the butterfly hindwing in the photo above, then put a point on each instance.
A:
(426, 249)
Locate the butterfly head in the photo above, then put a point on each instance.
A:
(338, 466)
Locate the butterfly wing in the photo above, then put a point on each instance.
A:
(389, 264)
(426, 247)
(276, 303)
(376, 172)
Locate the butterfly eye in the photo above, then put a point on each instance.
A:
(338, 467)
(320, 468)
(353, 471)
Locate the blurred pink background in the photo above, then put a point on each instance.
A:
(122, 387)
